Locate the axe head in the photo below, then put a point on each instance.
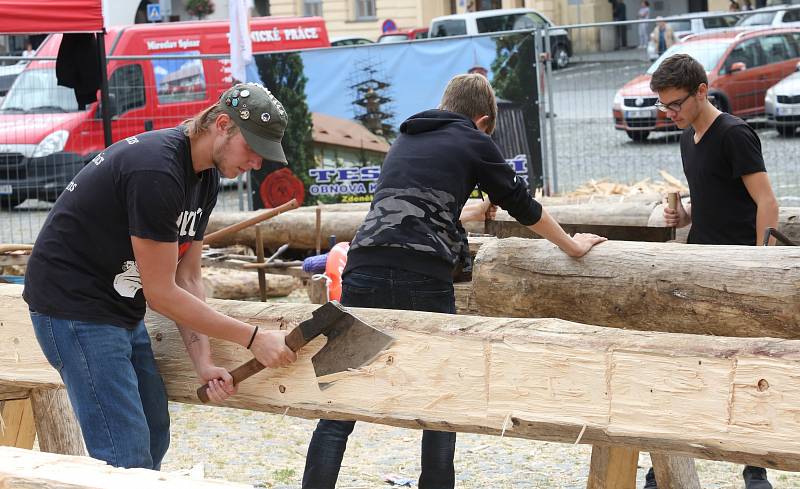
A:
(351, 342)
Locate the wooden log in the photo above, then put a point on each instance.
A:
(674, 472)
(23, 469)
(544, 379)
(717, 290)
(223, 283)
(612, 468)
(215, 237)
(16, 424)
(294, 227)
(55, 422)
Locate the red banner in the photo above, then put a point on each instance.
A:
(42, 16)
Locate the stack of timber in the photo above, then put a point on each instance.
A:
(29, 469)
(605, 187)
(545, 379)
(715, 290)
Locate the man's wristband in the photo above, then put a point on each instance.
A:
(252, 337)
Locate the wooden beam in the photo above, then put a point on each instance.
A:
(28, 469)
(55, 422)
(612, 468)
(545, 379)
(717, 290)
(17, 428)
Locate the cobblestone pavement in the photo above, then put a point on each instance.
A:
(269, 451)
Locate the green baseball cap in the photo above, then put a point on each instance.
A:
(260, 116)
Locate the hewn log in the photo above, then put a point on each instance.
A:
(612, 468)
(223, 283)
(545, 379)
(718, 290)
(17, 428)
(24, 469)
(55, 422)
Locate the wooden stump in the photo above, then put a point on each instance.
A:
(55, 422)
(674, 472)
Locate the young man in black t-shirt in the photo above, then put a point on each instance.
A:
(732, 202)
(129, 229)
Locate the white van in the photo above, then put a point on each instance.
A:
(510, 19)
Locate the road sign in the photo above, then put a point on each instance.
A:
(388, 26)
(153, 12)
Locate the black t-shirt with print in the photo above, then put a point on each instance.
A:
(723, 213)
(82, 265)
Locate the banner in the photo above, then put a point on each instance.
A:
(346, 104)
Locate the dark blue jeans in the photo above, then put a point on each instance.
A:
(386, 288)
(114, 387)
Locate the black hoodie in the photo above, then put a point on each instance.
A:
(426, 178)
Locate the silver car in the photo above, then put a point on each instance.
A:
(782, 104)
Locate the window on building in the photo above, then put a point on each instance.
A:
(312, 8)
(365, 9)
(489, 4)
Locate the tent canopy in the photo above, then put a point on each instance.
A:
(39, 16)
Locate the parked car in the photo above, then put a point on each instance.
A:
(695, 23)
(350, 41)
(741, 66)
(404, 35)
(782, 104)
(500, 20)
(777, 16)
(45, 138)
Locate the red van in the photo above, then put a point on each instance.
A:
(45, 138)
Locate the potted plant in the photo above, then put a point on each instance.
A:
(200, 8)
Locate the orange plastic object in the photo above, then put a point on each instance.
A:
(337, 259)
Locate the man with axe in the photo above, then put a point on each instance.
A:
(405, 253)
(128, 229)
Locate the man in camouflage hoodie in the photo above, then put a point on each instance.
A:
(404, 254)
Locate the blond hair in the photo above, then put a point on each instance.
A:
(199, 124)
(472, 96)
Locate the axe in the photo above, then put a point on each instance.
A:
(351, 344)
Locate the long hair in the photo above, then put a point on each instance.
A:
(199, 124)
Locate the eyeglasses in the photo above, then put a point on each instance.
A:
(673, 106)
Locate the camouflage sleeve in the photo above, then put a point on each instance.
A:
(498, 180)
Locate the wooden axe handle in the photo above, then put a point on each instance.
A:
(294, 340)
(268, 214)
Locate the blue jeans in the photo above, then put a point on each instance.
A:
(386, 288)
(114, 387)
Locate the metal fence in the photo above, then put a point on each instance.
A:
(596, 115)
(48, 137)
